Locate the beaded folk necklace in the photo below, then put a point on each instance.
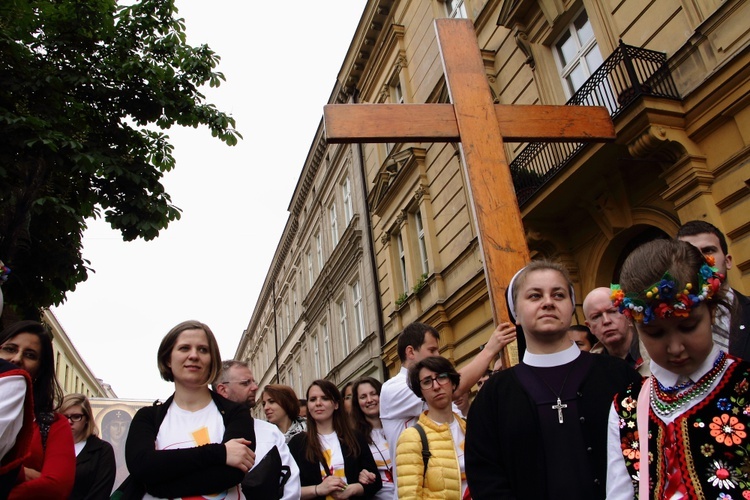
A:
(665, 400)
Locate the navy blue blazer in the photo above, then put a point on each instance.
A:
(739, 327)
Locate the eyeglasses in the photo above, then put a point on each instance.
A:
(243, 383)
(75, 417)
(441, 379)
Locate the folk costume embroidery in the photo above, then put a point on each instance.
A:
(707, 447)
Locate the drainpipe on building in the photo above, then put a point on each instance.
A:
(275, 335)
(378, 303)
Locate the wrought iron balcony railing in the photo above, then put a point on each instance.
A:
(629, 73)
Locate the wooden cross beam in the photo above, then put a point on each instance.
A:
(480, 126)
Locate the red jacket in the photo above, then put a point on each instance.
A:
(56, 463)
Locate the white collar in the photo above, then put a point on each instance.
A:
(669, 379)
(555, 359)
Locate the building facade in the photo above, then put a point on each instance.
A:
(674, 76)
(318, 315)
(72, 371)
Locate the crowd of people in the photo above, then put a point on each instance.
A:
(649, 398)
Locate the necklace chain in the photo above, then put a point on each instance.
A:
(559, 406)
(665, 401)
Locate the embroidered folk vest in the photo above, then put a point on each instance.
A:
(711, 445)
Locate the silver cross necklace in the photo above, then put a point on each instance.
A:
(559, 406)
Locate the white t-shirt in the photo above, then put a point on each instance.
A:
(189, 429)
(459, 440)
(382, 455)
(12, 396)
(267, 436)
(399, 409)
(79, 446)
(333, 455)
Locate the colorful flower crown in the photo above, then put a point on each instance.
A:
(665, 299)
(4, 272)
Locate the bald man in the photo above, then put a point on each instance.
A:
(615, 334)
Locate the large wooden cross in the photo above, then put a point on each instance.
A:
(480, 126)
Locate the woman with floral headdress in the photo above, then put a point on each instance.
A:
(683, 432)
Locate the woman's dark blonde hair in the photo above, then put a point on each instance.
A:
(344, 431)
(169, 341)
(77, 399)
(540, 265)
(647, 264)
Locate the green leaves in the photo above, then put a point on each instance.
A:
(84, 88)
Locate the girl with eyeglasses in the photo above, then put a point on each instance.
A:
(433, 379)
(49, 471)
(95, 458)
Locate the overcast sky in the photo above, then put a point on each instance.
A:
(280, 60)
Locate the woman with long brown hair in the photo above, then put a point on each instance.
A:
(50, 469)
(365, 416)
(331, 455)
(281, 407)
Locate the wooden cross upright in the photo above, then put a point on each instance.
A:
(480, 126)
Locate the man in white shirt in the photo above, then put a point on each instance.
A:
(236, 383)
(399, 407)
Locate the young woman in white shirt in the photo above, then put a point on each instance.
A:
(197, 442)
(365, 416)
(331, 455)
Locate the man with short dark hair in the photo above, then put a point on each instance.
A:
(484, 378)
(582, 336)
(236, 383)
(730, 327)
(399, 407)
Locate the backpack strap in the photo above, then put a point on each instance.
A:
(425, 448)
